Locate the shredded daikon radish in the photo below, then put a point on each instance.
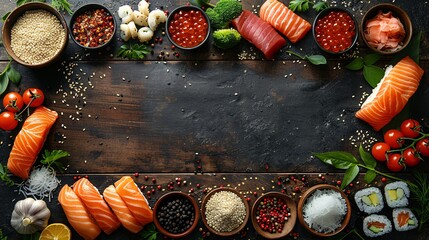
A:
(41, 184)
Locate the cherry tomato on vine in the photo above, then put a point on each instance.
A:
(379, 150)
(35, 93)
(13, 102)
(411, 128)
(422, 147)
(411, 157)
(8, 121)
(394, 163)
(392, 137)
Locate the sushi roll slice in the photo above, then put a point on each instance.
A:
(404, 219)
(369, 200)
(376, 225)
(397, 194)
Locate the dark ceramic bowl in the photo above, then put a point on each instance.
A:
(13, 17)
(396, 12)
(324, 13)
(186, 9)
(82, 10)
(170, 196)
(289, 224)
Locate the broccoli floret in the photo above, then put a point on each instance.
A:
(224, 12)
(226, 38)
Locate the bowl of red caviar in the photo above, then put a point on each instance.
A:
(188, 27)
(335, 30)
(92, 26)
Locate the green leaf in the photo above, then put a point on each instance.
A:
(5, 16)
(367, 158)
(356, 64)
(20, 2)
(4, 177)
(298, 5)
(340, 160)
(371, 59)
(349, 176)
(316, 59)
(51, 158)
(135, 51)
(14, 76)
(149, 232)
(369, 176)
(199, 3)
(4, 82)
(62, 5)
(2, 236)
(319, 6)
(373, 74)
(412, 50)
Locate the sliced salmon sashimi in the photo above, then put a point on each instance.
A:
(29, 141)
(284, 20)
(391, 94)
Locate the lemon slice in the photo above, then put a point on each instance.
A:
(56, 231)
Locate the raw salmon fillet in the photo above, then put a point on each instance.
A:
(134, 199)
(393, 93)
(96, 206)
(30, 140)
(77, 215)
(121, 210)
(259, 33)
(284, 20)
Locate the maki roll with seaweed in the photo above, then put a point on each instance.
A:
(404, 219)
(376, 225)
(369, 200)
(397, 194)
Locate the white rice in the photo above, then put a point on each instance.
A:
(403, 202)
(406, 227)
(369, 208)
(324, 211)
(376, 218)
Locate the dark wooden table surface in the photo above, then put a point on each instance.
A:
(207, 116)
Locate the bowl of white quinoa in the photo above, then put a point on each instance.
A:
(35, 35)
(224, 211)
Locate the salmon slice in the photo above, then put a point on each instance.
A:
(77, 215)
(284, 20)
(259, 33)
(96, 206)
(403, 218)
(134, 199)
(30, 140)
(376, 224)
(121, 210)
(391, 94)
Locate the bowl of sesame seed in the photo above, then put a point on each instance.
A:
(35, 35)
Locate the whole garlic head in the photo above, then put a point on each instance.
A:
(30, 216)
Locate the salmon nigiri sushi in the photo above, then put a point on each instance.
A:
(391, 94)
(77, 215)
(284, 20)
(96, 206)
(30, 140)
(134, 199)
(121, 210)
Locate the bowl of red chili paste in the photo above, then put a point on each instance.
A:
(92, 26)
(335, 30)
(188, 27)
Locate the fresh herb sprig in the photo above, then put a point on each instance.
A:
(150, 233)
(133, 51)
(5, 178)
(420, 193)
(62, 5)
(52, 158)
(304, 5)
(2, 237)
(9, 74)
(21, 2)
(313, 59)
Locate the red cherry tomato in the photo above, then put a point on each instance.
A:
(379, 150)
(35, 93)
(8, 121)
(13, 102)
(393, 138)
(411, 128)
(394, 163)
(422, 147)
(411, 157)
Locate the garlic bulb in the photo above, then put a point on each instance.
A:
(30, 216)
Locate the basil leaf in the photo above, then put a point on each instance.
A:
(4, 82)
(367, 158)
(349, 176)
(373, 74)
(370, 59)
(339, 160)
(356, 64)
(5, 16)
(13, 75)
(316, 59)
(369, 176)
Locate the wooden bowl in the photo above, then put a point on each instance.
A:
(287, 228)
(12, 18)
(397, 12)
(175, 195)
(303, 200)
(203, 211)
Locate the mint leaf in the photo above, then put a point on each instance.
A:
(349, 176)
(372, 58)
(337, 159)
(356, 64)
(373, 74)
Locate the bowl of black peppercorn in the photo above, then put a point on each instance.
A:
(176, 214)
